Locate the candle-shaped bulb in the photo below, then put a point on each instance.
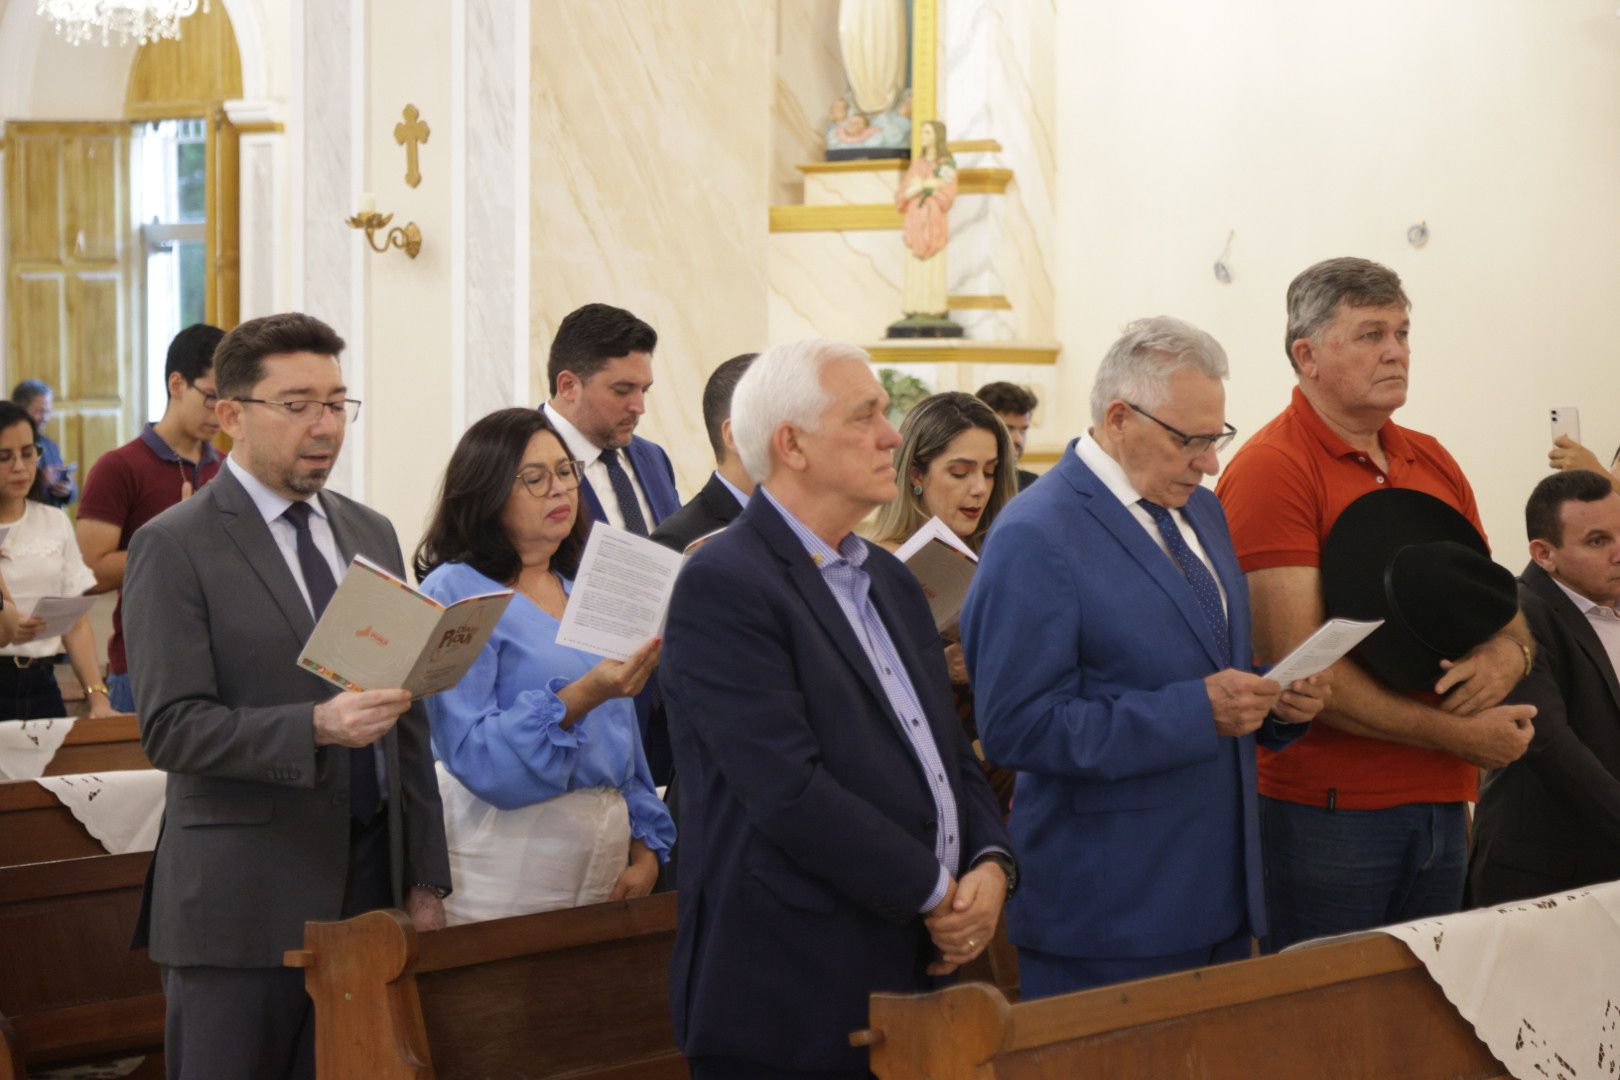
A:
(368, 203)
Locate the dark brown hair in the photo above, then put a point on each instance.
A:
(591, 336)
(1008, 398)
(717, 399)
(1544, 512)
(239, 358)
(11, 413)
(466, 525)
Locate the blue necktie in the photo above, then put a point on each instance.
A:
(624, 490)
(1202, 582)
(364, 793)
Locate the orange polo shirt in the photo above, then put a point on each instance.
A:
(1282, 492)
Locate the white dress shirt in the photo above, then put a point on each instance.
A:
(582, 449)
(272, 505)
(1112, 475)
(1604, 621)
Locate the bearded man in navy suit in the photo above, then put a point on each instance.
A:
(600, 370)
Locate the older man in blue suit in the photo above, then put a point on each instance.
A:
(1107, 636)
(837, 834)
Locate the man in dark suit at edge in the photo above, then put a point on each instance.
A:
(839, 837)
(729, 487)
(286, 802)
(1550, 821)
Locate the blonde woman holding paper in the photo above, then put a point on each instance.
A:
(548, 800)
(956, 462)
(39, 557)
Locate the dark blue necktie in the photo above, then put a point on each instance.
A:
(1202, 582)
(624, 490)
(364, 793)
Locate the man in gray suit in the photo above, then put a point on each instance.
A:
(286, 802)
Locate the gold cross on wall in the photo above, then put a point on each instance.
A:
(409, 134)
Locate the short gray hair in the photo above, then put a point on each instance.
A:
(782, 386)
(1315, 295)
(1138, 366)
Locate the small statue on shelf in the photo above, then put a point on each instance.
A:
(926, 193)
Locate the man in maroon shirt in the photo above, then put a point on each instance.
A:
(135, 483)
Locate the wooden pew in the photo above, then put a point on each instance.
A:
(71, 990)
(580, 993)
(102, 744)
(1362, 1009)
(36, 827)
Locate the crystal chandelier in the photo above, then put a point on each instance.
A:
(143, 21)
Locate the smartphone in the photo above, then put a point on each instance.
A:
(1566, 420)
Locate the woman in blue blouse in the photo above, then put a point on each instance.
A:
(548, 800)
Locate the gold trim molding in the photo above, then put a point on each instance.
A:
(980, 302)
(856, 217)
(983, 181)
(962, 351)
(1041, 457)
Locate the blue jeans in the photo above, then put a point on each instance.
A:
(119, 694)
(1337, 871)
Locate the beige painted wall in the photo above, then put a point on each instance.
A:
(407, 428)
(651, 162)
(1315, 131)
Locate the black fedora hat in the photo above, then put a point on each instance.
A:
(1407, 558)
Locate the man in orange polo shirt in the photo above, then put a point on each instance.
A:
(1363, 822)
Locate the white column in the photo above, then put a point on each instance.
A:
(263, 206)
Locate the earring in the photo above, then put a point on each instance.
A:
(916, 489)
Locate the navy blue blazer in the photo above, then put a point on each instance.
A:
(807, 829)
(653, 471)
(1134, 822)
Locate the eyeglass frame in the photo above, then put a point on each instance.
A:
(552, 479)
(211, 399)
(1216, 443)
(338, 409)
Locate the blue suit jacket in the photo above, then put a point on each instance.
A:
(657, 477)
(1135, 824)
(806, 827)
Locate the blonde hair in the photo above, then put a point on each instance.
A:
(925, 433)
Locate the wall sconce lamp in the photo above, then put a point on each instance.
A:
(408, 238)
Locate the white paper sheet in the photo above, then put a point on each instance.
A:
(620, 595)
(59, 613)
(1332, 640)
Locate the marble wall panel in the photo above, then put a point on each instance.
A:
(843, 285)
(854, 187)
(650, 130)
(809, 75)
(329, 287)
(496, 318)
(328, 163)
(260, 238)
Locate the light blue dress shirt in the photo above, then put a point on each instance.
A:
(499, 730)
(841, 569)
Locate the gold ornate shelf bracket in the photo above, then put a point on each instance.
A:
(407, 238)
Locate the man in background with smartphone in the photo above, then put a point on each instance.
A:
(1569, 453)
(1364, 821)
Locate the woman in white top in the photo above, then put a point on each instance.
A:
(38, 557)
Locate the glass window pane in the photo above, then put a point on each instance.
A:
(189, 179)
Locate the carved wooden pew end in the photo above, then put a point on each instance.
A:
(580, 993)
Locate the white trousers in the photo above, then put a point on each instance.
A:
(560, 853)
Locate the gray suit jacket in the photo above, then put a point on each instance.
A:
(256, 829)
